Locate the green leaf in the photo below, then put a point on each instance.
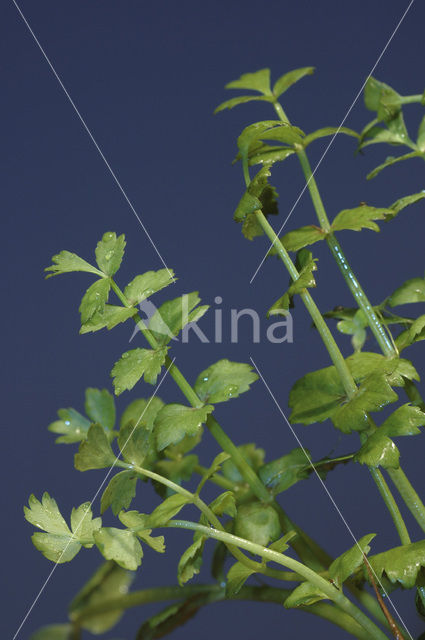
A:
(390, 161)
(191, 561)
(136, 364)
(119, 545)
(257, 522)
(174, 616)
(142, 411)
(328, 131)
(72, 425)
(137, 521)
(377, 134)
(258, 193)
(359, 218)
(253, 133)
(299, 238)
(100, 407)
(54, 632)
(174, 315)
(281, 545)
(237, 576)
(108, 582)
(137, 444)
(269, 154)
(404, 421)
(225, 503)
(179, 469)
(224, 380)
(257, 81)
(281, 306)
(66, 262)
(60, 543)
(175, 421)
(109, 252)
(253, 456)
(234, 102)
(355, 327)
(401, 564)
(289, 78)
(213, 469)
(304, 595)
(363, 364)
(167, 509)
(381, 98)
(147, 284)
(379, 451)
(94, 299)
(415, 333)
(119, 493)
(110, 318)
(410, 291)
(95, 452)
(286, 471)
(421, 136)
(400, 204)
(306, 265)
(284, 133)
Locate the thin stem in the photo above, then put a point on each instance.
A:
(391, 504)
(409, 495)
(269, 555)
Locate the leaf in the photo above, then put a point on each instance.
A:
(281, 306)
(225, 503)
(400, 204)
(167, 509)
(179, 469)
(253, 200)
(253, 133)
(376, 135)
(288, 79)
(257, 522)
(72, 425)
(147, 284)
(363, 364)
(306, 265)
(121, 546)
(59, 543)
(359, 218)
(137, 522)
(135, 364)
(109, 252)
(404, 421)
(286, 471)
(213, 469)
(390, 161)
(175, 421)
(137, 444)
(283, 133)
(253, 456)
(299, 238)
(110, 318)
(95, 452)
(172, 617)
(224, 380)
(174, 315)
(142, 411)
(380, 97)
(268, 154)
(400, 564)
(54, 632)
(237, 576)
(281, 545)
(191, 561)
(108, 582)
(379, 451)
(94, 299)
(100, 407)
(304, 595)
(234, 102)
(66, 262)
(328, 131)
(356, 327)
(415, 333)
(410, 291)
(257, 81)
(119, 493)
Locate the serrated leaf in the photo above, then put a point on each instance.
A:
(66, 262)
(328, 131)
(257, 522)
(54, 632)
(288, 79)
(234, 102)
(174, 315)
(379, 451)
(404, 421)
(119, 545)
(224, 380)
(83, 524)
(390, 161)
(147, 284)
(306, 265)
(304, 595)
(119, 493)
(253, 133)
(281, 306)
(286, 471)
(191, 561)
(167, 509)
(108, 582)
(254, 198)
(237, 576)
(72, 425)
(300, 238)
(135, 364)
(109, 252)
(359, 218)
(95, 452)
(257, 81)
(94, 299)
(414, 333)
(225, 503)
(100, 407)
(137, 445)
(400, 564)
(142, 411)
(110, 318)
(137, 522)
(175, 421)
(363, 364)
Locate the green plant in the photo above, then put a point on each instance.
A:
(155, 441)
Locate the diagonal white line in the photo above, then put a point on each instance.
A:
(338, 510)
(92, 138)
(45, 583)
(334, 136)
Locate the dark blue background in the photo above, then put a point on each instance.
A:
(146, 77)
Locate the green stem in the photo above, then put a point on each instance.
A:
(316, 580)
(409, 495)
(391, 504)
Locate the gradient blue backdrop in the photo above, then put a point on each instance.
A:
(146, 77)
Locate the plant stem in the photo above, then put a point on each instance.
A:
(409, 495)
(318, 581)
(391, 504)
